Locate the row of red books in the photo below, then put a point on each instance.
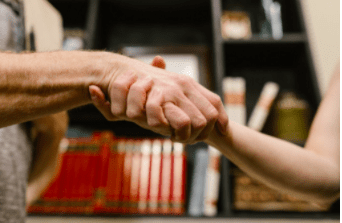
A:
(104, 174)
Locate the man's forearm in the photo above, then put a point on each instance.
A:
(36, 84)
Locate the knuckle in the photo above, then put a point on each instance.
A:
(137, 88)
(156, 123)
(183, 123)
(120, 87)
(213, 115)
(151, 106)
(200, 123)
(134, 113)
(117, 111)
(216, 100)
(184, 80)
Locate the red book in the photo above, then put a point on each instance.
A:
(49, 202)
(178, 180)
(145, 166)
(114, 179)
(154, 184)
(81, 199)
(135, 178)
(92, 173)
(65, 187)
(75, 185)
(165, 185)
(106, 140)
(126, 177)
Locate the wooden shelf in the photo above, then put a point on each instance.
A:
(287, 38)
(66, 219)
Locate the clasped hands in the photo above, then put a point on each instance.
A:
(161, 101)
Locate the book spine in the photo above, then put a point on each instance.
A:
(196, 199)
(165, 186)
(67, 180)
(178, 180)
(263, 106)
(76, 178)
(92, 173)
(155, 177)
(49, 198)
(135, 178)
(212, 182)
(234, 89)
(111, 205)
(106, 140)
(144, 175)
(126, 181)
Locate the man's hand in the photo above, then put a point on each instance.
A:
(47, 133)
(164, 102)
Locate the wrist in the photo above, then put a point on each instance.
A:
(216, 138)
(107, 67)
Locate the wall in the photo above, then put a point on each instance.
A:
(323, 25)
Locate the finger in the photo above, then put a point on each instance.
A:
(136, 98)
(158, 61)
(155, 114)
(99, 100)
(198, 121)
(118, 93)
(215, 100)
(209, 112)
(179, 121)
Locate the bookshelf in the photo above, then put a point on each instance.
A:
(113, 24)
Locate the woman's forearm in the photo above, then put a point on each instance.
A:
(279, 164)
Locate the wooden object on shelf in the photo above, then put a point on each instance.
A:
(251, 195)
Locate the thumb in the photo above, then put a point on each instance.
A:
(159, 62)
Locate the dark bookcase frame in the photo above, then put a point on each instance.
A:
(111, 24)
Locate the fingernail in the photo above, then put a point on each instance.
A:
(93, 96)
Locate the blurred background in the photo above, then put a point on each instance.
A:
(273, 55)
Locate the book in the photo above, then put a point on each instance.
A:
(103, 161)
(135, 178)
(145, 165)
(114, 178)
(234, 89)
(126, 181)
(196, 198)
(212, 182)
(103, 174)
(263, 106)
(178, 179)
(165, 186)
(155, 176)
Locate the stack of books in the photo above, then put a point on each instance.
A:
(103, 174)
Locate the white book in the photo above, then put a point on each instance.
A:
(234, 89)
(144, 174)
(155, 175)
(212, 182)
(263, 106)
(166, 176)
